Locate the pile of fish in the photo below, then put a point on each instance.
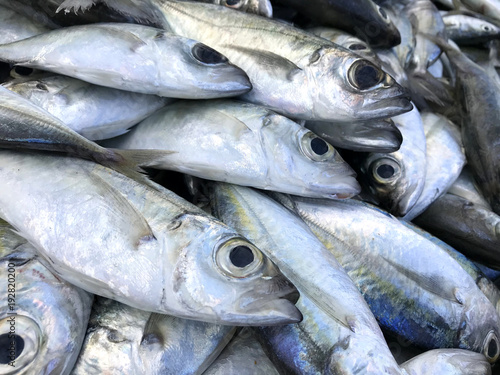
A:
(240, 187)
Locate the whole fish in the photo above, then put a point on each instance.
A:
(448, 362)
(397, 179)
(156, 251)
(124, 340)
(237, 142)
(131, 57)
(413, 287)
(324, 283)
(96, 112)
(14, 26)
(292, 72)
(42, 318)
(444, 160)
(362, 18)
(465, 29)
(367, 136)
(244, 356)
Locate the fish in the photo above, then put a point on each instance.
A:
(465, 187)
(466, 29)
(123, 340)
(14, 26)
(413, 287)
(445, 159)
(367, 136)
(324, 282)
(237, 142)
(489, 8)
(292, 72)
(42, 317)
(362, 18)
(396, 179)
(243, 355)
(95, 112)
(155, 251)
(131, 57)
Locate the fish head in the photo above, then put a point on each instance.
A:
(44, 324)
(260, 7)
(228, 280)
(376, 136)
(379, 30)
(485, 337)
(303, 163)
(197, 65)
(352, 87)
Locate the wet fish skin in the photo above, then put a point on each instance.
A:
(489, 8)
(260, 7)
(444, 160)
(362, 18)
(397, 179)
(51, 315)
(465, 187)
(14, 26)
(167, 248)
(288, 63)
(124, 340)
(354, 331)
(388, 272)
(464, 29)
(369, 136)
(239, 139)
(131, 57)
(449, 362)
(95, 112)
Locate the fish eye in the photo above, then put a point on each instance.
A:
(238, 258)
(23, 71)
(233, 3)
(357, 47)
(316, 148)
(208, 55)
(384, 170)
(23, 345)
(486, 28)
(363, 75)
(491, 347)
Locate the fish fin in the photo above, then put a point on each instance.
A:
(435, 285)
(153, 333)
(275, 64)
(425, 87)
(126, 213)
(75, 5)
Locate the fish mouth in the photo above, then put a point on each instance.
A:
(387, 107)
(406, 203)
(376, 136)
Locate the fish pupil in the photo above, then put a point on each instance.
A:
(207, 55)
(7, 342)
(385, 171)
(241, 256)
(319, 146)
(23, 71)
(232, 2)
(492, 349)
(356, 47)
(367, 76)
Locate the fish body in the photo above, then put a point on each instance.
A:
(42, 318)
(162, 254)
(95, 112)
(124, 340)
(14, 26)
(131, 57)
(237, 142)
(464, 29)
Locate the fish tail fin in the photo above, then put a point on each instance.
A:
(425, 88)
(75, 5)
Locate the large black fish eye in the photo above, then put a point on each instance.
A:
(492, 349)
(7, 343)
(364, 75)
(319, 146)
(233, 3)
(23, 71)
(385, 171)
(241, 256)
(207, 55)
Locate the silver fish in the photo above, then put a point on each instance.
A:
(14, 26)
(42, 318)
(413, 287)
(464, 29)
(292, 72)
(131, 57)
(95, 112)
(162, 254)
(445, 159)
(465, 187)
(124, 340)
(237, 142)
